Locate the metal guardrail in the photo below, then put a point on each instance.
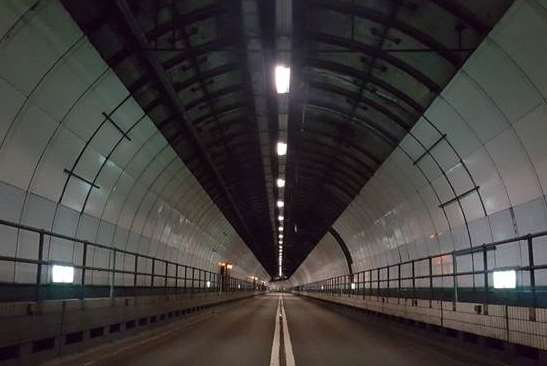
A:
(186, 278)
(388, 281)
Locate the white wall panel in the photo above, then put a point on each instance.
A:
(493, 115)
(57, 90)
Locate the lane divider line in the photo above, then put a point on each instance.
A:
(274, 358)
(289, 356)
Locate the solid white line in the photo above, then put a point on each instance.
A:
(274, 358)
(289, 356)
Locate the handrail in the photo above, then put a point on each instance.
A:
(206, 280)
(357, 283)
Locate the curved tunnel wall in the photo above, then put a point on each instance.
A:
(494, 116)
(59, 102)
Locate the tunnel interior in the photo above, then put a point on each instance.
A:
(171, 159)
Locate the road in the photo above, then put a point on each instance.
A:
(270, 332)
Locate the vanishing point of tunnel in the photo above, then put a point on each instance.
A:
(273, 182)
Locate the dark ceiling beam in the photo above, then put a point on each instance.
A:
(229, 109)
(352, 9)
(463, 14)
(377, 53)
(179, 57)
(352, 169)
(367, 124)
(332, 137)
(347, 193)
(215, 95)
(356, 74)
(349, 176)
(369, 103)
(186, 19)
(140, 42)
(206, 75)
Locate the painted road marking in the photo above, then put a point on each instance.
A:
(289, 356)
(281, 318)
(274, 358)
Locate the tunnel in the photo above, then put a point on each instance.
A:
(273, 182)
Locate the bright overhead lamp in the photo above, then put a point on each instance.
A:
(280, 217)
(281, 228)
(282, 79)
(280, 203)
(280, 182)
(280, 236)
(281, 148)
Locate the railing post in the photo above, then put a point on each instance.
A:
(531, 265)
(166, 274)
(113, 273)
(388, 276)
(153, 272)
(399, 282)
(176, 277)
(486, 282)
(430, 281)
(413, 280)
(37, 295)
(136, 270)
(378, 283)
(84, 264)
(454, 281)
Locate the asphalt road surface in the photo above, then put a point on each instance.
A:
(287, 330)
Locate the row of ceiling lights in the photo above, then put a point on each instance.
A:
(282, 84)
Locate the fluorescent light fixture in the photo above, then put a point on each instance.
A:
(505, 279)
(280, 203)
(280, 182)
(62, 274)
(280, 217)
(280, 236)
(281, 228)
(281, 148)
(282, 79)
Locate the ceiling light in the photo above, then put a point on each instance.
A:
(280, 203)
(281, 228)
(280, 217)
(280, 182)
(281, 148)
(280, 236)
(282, 79)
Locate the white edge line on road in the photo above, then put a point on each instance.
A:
(274, 359)
(289, 356)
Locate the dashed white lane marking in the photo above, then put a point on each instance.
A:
(274, 358)
(289, 356)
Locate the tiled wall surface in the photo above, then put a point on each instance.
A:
(506, 323)
(487, 131)
(55, 91)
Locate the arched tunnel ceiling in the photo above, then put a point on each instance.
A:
(363, 72)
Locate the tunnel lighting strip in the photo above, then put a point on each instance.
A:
(282, 77)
